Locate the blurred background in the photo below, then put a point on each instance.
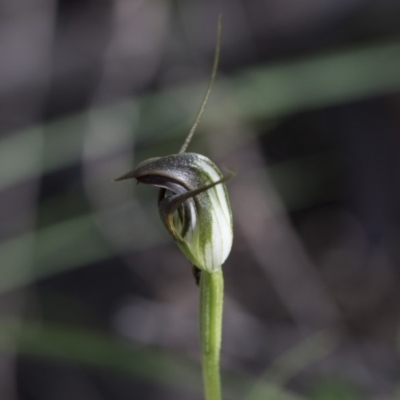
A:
(96, 301)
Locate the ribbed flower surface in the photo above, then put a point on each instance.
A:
(199, 220)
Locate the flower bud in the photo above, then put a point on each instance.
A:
(193, 205)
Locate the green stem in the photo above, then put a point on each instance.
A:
(211, 304)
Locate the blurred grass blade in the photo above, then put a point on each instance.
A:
(319, 81)
(295, 360)
(97, 350)
(104, 351)
(60, 247)
(256, 93)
